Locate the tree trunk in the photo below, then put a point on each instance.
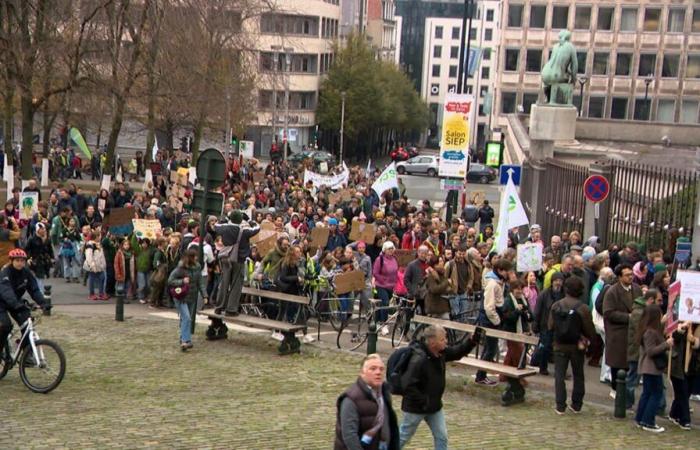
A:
(117, 118)
(169, 134)
(198, 131)
(8, 124)
(27, 153)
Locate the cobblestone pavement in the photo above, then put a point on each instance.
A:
(129, 386)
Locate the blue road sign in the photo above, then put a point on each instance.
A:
(596, 188)
(517, 170)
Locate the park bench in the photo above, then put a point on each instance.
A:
(514, 393)
(289, 344)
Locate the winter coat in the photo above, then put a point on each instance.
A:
(288, 279)
(385, 269)
(196, 286)
(121, 265)
(493, 298)
(653, 344)
(511, 315)
(635, 317)
(41, 257)
(617, 305)
(544, 304)
(437, 285)
(94, 258)
(413, 276)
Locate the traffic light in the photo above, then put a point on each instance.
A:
(235, 144)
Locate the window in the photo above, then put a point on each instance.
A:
(437, 51)
(488, 34)
(581, 57)
(628, 20)
(454, 52)
(605, 18)
(642, 109)
(560, 17)
(529, 99)
(452, 88)
(472, 34)
(696, 21)
(669, 68)
(436, 70)
(456, 32)
(689, 111)
(515, 16)
(647, 65)
(486, 54)
(533, 60)
(489, 15)
(600, 63)
(596, 107)
(485, 72)
(652, 19)
(512, 56)
(438, 32)
(538, 13)
(666, 110)
(693, 69)
(619, 108)
(582, 20)
(482, 113)
(483, 91)
(624, 64)
(453, 71)
(676, 20)
(507, 102)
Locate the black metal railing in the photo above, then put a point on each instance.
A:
(562, 198)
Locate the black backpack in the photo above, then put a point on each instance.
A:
(567, 325)
(396, 366)
(598, 305)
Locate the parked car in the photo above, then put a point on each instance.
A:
(424, 164)
(403, 153)
(298, 158)
(479, 173)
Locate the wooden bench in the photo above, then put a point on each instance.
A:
(290, 343)
(514, 393)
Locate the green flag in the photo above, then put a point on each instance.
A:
(80, 142)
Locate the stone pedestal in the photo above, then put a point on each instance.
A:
(553, 123)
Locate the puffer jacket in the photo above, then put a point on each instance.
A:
(94, 258)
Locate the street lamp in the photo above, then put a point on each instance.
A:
(342, 122)
(288, 60)
(582, 80)
(647, 81)
(275, 60)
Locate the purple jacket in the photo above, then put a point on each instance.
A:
(385, 271)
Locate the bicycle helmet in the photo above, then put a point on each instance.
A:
(17, 253)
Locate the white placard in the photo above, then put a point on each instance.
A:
(106, 180)
(689, 307)
(247, 149)
(45, 172)
(529, 257)
(28, 204)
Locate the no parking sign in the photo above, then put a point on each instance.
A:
(596, 188)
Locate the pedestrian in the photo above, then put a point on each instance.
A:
(143, 252)
(384, 273)
(540, 324)
(40, 253)
(572, 326)
(652, 365)
(365, 418)
(438, 285)
(185, 285)
(125, 270)
(650, 297)
(95, 265)
(606, 278)
(682, 379)
(486, 214)
(424, 384)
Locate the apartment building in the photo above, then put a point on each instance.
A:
(637, 59)
(382, 28)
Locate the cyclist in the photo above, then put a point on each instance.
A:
(15, 280)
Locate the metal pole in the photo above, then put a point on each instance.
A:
(274, 97)
(342, 122)
(288, 63)
(460, 72)
(621, 395)
(119, 311)
(580, 100)
(647, 82)
(470, 6)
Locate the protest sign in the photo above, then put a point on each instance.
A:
(178, 191)
(361, 231)
(262, 235)
(265, 245)
(119, 221)
(175, 203)
(331, 181)
(267, 225)
(529, 257)
(689, 307)
(28, 204)
(674, 291)
(258, 176)
(349, 282)
(319, 237)
(404, 257)
(148, 229)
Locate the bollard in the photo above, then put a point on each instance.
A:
(372, 336)
(621, 395)
(119, 313)
(47, 299)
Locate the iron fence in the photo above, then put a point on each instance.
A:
(562, 198)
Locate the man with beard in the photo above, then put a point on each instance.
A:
(459, 272)
(414, 274)
(546, 299)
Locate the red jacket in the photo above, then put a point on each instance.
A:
(409, 242)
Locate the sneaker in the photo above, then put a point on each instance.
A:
(276, 335)
(560, 412)
(695, 397)
(103, 297)
(487, 382)
(189, 344)
(384, 331)
(184, 347)
(685, 426)
(308, 339)
(92, 297)
(637, 424)
(143, 302)
(612, 395)
(672, 420)
(653, 428)
(574, 410)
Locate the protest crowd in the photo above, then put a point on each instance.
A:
(607, 306)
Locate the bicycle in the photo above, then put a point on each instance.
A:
(42, 363)
(400, 319)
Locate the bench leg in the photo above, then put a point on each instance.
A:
(217, 330)
(514, 393)
(290, 344)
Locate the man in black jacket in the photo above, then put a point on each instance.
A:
(540, 326)
(424, 384)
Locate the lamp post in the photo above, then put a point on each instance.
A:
(647, 81)
(582, 80)
(288, 60)
(275, 60)
(342, 122)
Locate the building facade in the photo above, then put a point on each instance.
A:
(637, 59)
(382, 28)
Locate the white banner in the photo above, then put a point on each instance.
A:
(45, 172)
(387, 180)
(247, 148)
(332, 181)
(511, 214)
(454, 142)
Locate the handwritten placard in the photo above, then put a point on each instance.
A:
(361, 231)
(404, 257)
(265, 245)
(349, 282)
(319, 237)
(149, 229)
(529, 257)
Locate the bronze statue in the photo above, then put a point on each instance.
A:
(559, 74)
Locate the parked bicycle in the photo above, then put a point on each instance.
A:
(354, 333)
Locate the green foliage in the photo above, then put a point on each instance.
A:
(377, 94)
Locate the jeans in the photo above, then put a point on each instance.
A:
(632, 382)
(384, 295)
(436, 422)
(458, 306)
(71, 269)
(488, 354)
(680, 408)
(561, 364)
(142, 284)
(124, 286)
(545, 348)
(185, 321)
(652, 390)
(96, 281)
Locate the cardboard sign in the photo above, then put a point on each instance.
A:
(689, 307)
(149, 229)
(349, 282)
(178, 191)
(477, 197)
(404, 257)
(175, 203)
(529, 257)
(365, 232)
(319, 237)
(262, 235)
(28, 204)
(346, 194)
(266, 245)
(179, 177)
(258, 177)
(267, 225)
(120, 216)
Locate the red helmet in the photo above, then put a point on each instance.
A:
(17, 253)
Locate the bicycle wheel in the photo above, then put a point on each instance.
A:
(400, 331)
(336, 316)
(45, 375)
(5, 362)
(352, 336)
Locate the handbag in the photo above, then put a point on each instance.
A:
(179, 292)
(660, 361)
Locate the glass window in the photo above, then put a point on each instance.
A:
(538, 13)
(696, 20)
(624, 64)
(652, 18)
(483, 91)
(451, 88)
(533, 60)
(693, 69)
(437, 51)
(472, 34)
(676, 20)
(581, 57)
(605, 18)
(453, 71)
(665, 111)
(454, 52)
(628, 20)
(485, 73)
(489, 15)
(486, 54)
(600, 63)
(512, 56)
(529, 99)
(647, 65)
(515, 16)
(689, 111)
(438, 32)
(436, 70)
(560, 17)
(488, 34)
(596, 107)
(619, 108)
(669, 68)
(642, 109)
(582, 20)
(508, 102)
(456, 33)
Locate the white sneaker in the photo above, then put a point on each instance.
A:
(654, 429)
(384, 331)
(276, 335)
(695, 398)
(308, 339)
(612, 395)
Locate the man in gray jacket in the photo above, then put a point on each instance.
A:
(415, 272)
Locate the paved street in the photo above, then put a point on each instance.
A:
(419, 187)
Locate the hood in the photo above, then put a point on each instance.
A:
(491, 275)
